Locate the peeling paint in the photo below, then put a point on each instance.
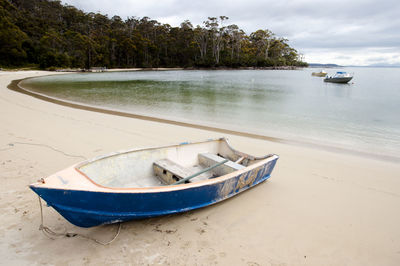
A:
(248, 179)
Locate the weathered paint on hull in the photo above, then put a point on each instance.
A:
(90, 208)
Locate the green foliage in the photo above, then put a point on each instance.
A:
(12, 39)
(49, 34)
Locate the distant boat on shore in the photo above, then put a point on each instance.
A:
(319, 74)
(151, 182)
(339, 77)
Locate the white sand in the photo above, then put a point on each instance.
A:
(319, 207)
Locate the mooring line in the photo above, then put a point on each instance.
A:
(51, 233)
(12, 144)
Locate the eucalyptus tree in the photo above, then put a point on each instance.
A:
(185, 41)
(216, 30)
(279, 48)
(147, 29)
(116, 36)
(234, 37)
(201, 37)
(261, 39)
(101, 35)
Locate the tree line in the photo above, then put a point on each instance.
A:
(49, 34)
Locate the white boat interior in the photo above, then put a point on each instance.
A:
(166, 165)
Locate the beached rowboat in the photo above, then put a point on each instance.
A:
(151, 182)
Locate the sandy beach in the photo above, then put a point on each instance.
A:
(319, 207)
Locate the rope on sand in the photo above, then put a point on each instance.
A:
(12, 144)
(46, 230)
(50, 233)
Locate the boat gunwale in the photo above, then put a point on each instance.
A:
(213, 181)
(117, 153)
(167, 188)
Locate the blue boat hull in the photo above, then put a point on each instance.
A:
(90, 208)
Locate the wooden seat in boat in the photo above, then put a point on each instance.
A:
(209, 159)
(170, 172)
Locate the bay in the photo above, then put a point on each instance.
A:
(363, 115)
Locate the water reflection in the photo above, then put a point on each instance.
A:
(338, 90)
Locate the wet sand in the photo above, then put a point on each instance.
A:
(318, 208)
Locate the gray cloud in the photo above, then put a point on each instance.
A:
(313, 27)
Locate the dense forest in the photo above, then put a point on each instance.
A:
(48, 34)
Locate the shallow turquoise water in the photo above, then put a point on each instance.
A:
(363, 115)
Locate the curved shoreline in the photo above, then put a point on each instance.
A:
(15, 86)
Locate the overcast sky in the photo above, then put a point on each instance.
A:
(357, 32)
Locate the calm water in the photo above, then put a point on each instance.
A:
(363, 115)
